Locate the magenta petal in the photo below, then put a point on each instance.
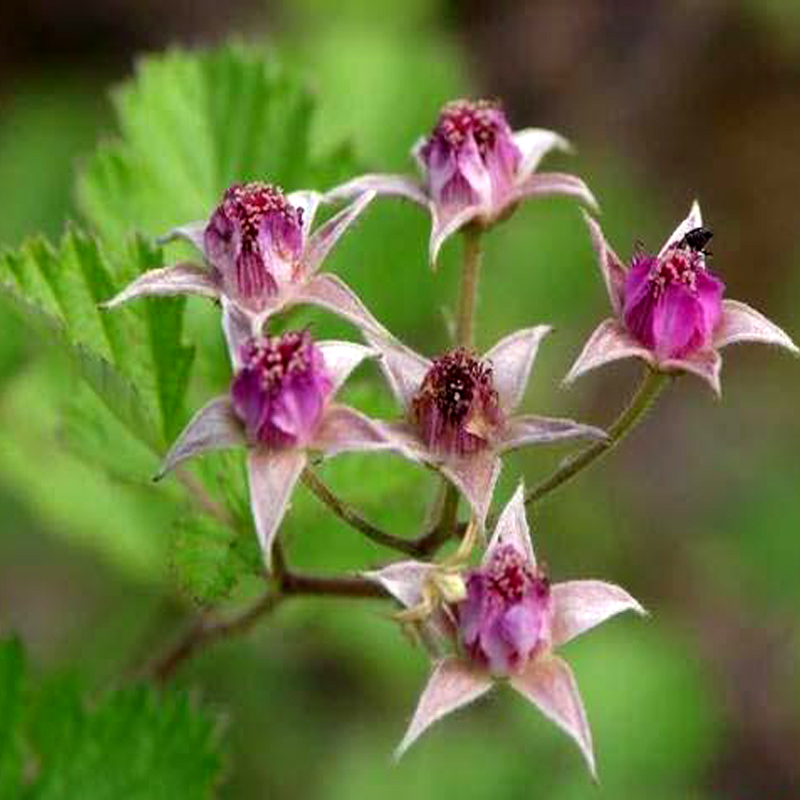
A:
(521, 627)
(531, 429)
(332, 293)
(184, 278)
(612, 268)
(398, 185)
(706, 364)
(512, 529)
(677, 323)
(638, 308)
(709, 293)
(452, 684)
(475, 476)
(609, 342)
(549, 684)
(326, 236)
(740, 323)
(213, 427)
(580, 605)
(511, 359)
(272, 475)
(343, 429)
(545, 184)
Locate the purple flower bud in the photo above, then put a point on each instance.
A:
(672, 303)
(470, 157)
(254, 240)
(507, 616)
(457, 407)
(281, 389)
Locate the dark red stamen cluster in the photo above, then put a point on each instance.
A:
(278, 357)
(453, 383)
(461, 118)
(248, 204)
(457, 405)
(678, 265)
(510, 575)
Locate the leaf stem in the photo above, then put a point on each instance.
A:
(646, 393)
(351, 517)
(285, 584)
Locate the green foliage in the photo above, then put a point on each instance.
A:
(132, 743)
(211, 553)
(134, 359)
(177, 153)
(191, 125)
(11, 666)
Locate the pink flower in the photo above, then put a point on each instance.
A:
(260, 258)
(669, 311)
(474, 169)
(459, 410)
(280, 391)
(280, 407)
(507, 629)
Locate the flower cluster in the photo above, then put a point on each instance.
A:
(458, 412)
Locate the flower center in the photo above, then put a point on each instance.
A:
(281, 389)
(461, 118)
(677, 266)
(456, 408)
(251, 203)
(511, 577)
(277, 358)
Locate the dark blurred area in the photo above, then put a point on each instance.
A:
(698, 513)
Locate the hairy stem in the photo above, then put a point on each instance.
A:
(468, 297)
(351, 517)
(204, 631)
(286, 583)
(646, 393)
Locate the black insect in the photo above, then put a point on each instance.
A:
(696, 239)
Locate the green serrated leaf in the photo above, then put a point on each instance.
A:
(212, 553)
(133, 744)
(192, 124)
(134, 359)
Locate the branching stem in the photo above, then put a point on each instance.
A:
(286, 583)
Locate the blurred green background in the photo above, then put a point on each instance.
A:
(698, 514)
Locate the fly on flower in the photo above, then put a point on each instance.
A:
(260, 257)
(474, 169)
(669, 311)
(280, 408)
(459, 410)
(506, 630)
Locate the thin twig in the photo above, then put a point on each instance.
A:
(646, 393)
(350, 516)
(296, 584)
(204, 631)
